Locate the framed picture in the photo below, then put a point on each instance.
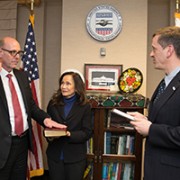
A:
(102, 77)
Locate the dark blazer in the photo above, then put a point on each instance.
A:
(162, 152)
(31, 109)
(79, 123)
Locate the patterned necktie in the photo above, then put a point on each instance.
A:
(161, 89)
(17, 109)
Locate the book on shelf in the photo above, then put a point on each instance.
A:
(87, 171)
(108, 115)
(128, 171)
(54, 132)
(89, 144)
(110, 169)
(107, 142)
(114, 169)
(105, 171)
(120, 170)
(116, 172)
(121, 145)
(114, 144)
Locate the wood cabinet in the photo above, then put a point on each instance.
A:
(101, 160)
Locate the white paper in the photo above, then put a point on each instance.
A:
(121, 113)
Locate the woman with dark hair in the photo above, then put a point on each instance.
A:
(67, 154)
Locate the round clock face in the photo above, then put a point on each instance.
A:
(104, 23)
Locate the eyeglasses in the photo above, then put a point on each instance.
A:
(14, 53)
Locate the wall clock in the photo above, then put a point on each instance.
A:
(104, 23)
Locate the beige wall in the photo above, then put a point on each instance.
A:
(156, 19)
(128, 49)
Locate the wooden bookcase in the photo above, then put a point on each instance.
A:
(101, 105)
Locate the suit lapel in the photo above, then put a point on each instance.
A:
(21, 86)
(168, 93)
(3, 95)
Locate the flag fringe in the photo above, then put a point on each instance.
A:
(177, 15)
(36, 172)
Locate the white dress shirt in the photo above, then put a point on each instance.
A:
(5, 81)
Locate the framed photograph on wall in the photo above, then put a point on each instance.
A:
(102, 77)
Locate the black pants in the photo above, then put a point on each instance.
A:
(66, 171)
(16, 165)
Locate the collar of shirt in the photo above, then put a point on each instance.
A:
(170, 76)
(4, 73)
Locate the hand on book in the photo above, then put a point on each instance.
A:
(53, 124)
(141, 123)
(137, 115)
(55, 132)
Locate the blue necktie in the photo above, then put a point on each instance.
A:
(161, 89)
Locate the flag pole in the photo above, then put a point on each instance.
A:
(27, 2)
(32, 7)
(177, 6)
(177, 14)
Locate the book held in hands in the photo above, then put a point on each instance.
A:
(123, 114)
(54, 132)
(119, 119)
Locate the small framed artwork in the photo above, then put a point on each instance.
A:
(102, 77)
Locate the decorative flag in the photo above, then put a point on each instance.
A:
(177, 19)
(30, 66)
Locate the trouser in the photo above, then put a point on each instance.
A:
(16, 165)
(66, 171)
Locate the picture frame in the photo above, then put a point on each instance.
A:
(102, 77)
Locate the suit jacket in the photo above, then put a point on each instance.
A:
(79, 123)
(162, 152)
(31, 109)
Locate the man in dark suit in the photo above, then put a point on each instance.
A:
(13, 146)
(162, 127)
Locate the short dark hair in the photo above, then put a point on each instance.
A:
(169, 35)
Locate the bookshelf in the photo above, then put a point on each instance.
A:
(115, 150)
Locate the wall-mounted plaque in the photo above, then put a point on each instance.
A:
(104, 23)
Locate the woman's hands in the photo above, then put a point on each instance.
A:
(68, 134)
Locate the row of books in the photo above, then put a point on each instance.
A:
(118, 171)
(122, 144)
